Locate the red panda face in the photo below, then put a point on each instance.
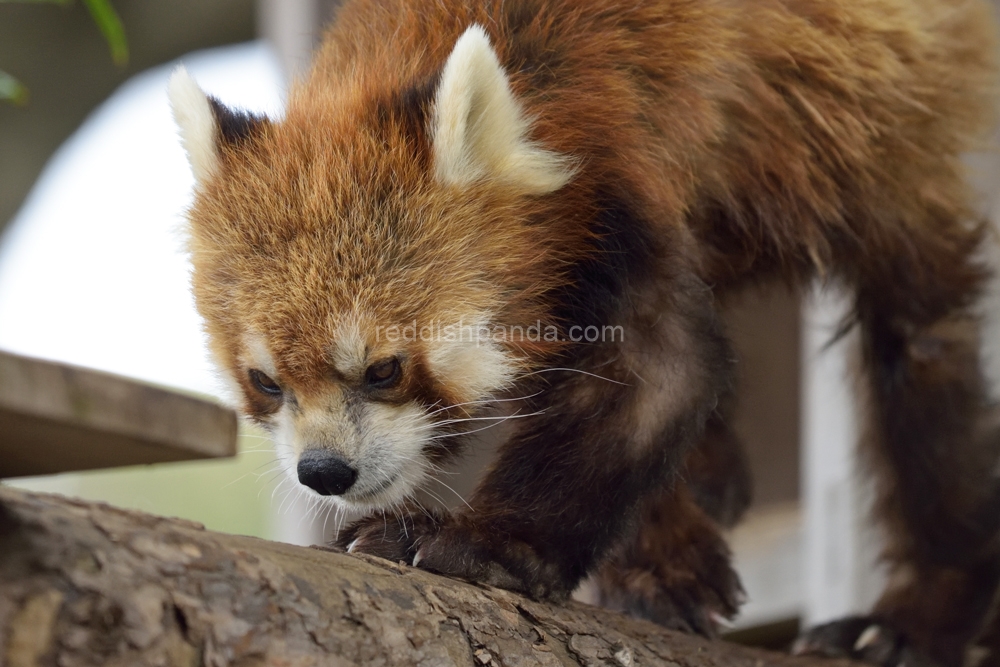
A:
(346, 266)
(373, 424)
(360, 437)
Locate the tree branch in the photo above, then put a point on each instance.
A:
(87, 584)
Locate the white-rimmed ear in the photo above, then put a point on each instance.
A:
(479, 129)
(207, 125)
(196, 120)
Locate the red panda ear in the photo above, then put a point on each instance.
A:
(235, 126)
(206, 125)
(479, 129)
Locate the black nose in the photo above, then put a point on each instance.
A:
(325, 473)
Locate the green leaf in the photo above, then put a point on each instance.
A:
(107, 20)
(12, 90)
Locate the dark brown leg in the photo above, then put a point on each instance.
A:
(935, 457)
(675, 571)
(938, 493)
(717, 472)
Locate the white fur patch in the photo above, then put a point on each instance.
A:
(258, 356)
(392, 464)
(472, 366)
(197, 123)
(480, 131)
(349, 349)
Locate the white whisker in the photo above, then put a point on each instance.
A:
(442, 436)
(486, 401)
(457, 494)
(576, 370)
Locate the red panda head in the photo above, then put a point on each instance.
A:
(354, 261)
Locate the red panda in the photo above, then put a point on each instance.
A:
(472, 170)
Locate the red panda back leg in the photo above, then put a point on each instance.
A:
(934, 456)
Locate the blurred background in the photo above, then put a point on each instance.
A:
(93, 188)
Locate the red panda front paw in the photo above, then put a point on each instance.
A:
(690, 597)
(457, 547)
(462, 548)
(395, 537)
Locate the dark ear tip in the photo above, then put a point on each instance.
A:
(235, 125)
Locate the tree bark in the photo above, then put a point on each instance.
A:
(87, 584)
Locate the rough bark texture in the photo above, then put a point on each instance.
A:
(88, 584)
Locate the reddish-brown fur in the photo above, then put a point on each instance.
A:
(718, 144)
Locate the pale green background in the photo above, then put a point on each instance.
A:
(241, 495)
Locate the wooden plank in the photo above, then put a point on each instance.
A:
(58, 418)
(839, 571)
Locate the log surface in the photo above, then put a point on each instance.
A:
(87, 584)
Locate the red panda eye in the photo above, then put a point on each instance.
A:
(263, 383)
(384, 374)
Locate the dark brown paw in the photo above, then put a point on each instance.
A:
(463, 549)
(697, 605)
(394, 537)
(676, 572)
(860, 638)
(457, 547)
